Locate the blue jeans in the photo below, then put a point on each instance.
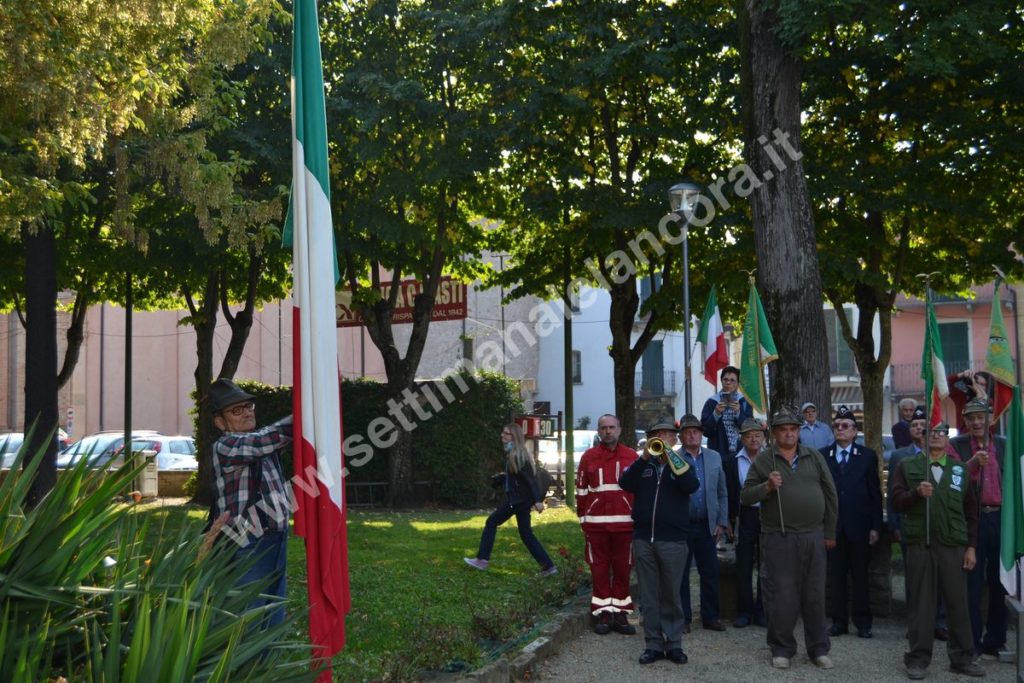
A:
(502, 515)
(271, 553)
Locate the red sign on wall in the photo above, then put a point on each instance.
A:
(450, 303)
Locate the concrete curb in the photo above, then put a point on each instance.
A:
(567, 624)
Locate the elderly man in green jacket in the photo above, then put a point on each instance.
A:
(933, 490)
(799, 507)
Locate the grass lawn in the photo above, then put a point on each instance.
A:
(415, 605)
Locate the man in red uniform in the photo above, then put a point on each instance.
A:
(605, 513)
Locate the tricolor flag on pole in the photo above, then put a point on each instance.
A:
(712, 335)
(758, 350)
(933, 370)
(319, 487)
(998, 362)
(1011, 537)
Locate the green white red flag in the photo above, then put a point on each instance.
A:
(712, 336)
(758, 350)
(319, 484)
(933, 370)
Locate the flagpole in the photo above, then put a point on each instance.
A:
(928, 410)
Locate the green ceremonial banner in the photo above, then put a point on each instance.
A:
(998, 361)
(1011, 538)
(758, 350)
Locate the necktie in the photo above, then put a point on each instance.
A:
(842, 460)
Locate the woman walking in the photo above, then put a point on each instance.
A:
(522, 492)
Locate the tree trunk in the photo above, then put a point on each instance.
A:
(241, 321)
(204, 321)
(75, 335)
(41, 355)
(788, 275)
(621, 317)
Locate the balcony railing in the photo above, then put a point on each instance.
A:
(656, 384)
(906, 377)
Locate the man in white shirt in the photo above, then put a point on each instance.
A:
(812, 432)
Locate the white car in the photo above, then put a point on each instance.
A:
(582, 439)
(9, 445)
(172, 452)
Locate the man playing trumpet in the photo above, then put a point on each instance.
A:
(661, 482)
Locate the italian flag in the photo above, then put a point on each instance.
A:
(1011, 539)
(318, 484)
(712, 335)
(933, 370)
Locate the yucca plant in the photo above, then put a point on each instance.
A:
(85, 597)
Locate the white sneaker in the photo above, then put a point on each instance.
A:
(475, 563)
(823, 662)
(780, 662)
(550, 571)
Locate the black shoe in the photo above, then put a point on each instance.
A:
(620, 624)
(741, 621)
(714, 625)
(942, 633)
(863, 633)
(837, 630)
(651, 656)
(604, 624)
(678, 656)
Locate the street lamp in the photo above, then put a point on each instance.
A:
(682, 199)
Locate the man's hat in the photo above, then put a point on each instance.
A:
(941, 427)
(844, 413)
(918, 414)
(785, 416)
(750, 425)
(662, 425)
(807, 405)
(690, 421)
(224, 393)
(976, 405)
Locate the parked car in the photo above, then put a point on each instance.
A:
(9, 445)
(99, 449)
(172, 452)
(12, 441)
(582, 439)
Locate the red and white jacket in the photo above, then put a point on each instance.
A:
(600, 503)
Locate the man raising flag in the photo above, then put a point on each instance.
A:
(320, 517)
(712, 335)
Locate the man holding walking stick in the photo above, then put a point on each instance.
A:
(940, 527)
(799, 507)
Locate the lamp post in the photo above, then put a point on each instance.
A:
(682, 198)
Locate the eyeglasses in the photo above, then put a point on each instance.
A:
(939, 432)
(240, 409)
(842, 425)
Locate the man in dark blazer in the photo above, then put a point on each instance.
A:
(746, 520)
(984, 459)
(855, 473)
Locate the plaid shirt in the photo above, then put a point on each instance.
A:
(236, 456)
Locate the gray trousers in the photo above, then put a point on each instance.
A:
(794, 587)
(938, 569)
(659, 571)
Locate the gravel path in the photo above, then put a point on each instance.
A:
(741, 655)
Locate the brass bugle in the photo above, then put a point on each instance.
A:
(655, 447)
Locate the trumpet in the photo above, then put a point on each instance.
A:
(656, 447)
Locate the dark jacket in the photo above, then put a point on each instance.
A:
(661, 505)
(859, 491)
(522, 487)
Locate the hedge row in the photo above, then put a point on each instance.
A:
(456, 449)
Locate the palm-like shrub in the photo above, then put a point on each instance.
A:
(87, 594)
